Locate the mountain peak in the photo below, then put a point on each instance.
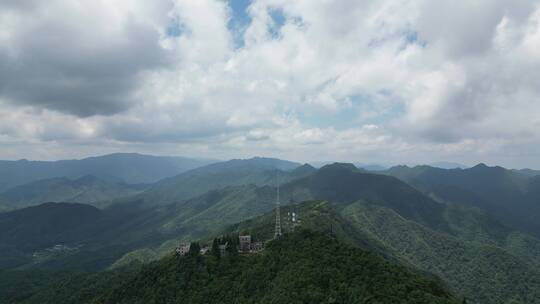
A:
(262, 162)
(484, 167)
(305, 167)
(447, 165)
(339, 166)
(481, 166)
(303, 170)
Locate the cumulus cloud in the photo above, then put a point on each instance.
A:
(78, 57)
(387, 81)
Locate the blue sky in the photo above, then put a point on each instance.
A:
(240, 20)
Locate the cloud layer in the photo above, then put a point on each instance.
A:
(370, 81)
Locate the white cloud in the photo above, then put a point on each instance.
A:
(347, 80)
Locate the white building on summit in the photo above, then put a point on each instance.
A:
(245, 243)
(183, 249)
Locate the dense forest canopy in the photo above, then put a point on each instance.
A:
(302, 267)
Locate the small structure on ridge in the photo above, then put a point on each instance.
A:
(183, 249)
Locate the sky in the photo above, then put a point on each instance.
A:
(385, 81)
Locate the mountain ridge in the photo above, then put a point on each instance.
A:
(86, 189)
(132, 168)
(507, 195)
(258, 170)
(377, 212)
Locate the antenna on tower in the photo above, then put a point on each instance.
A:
(277, 231)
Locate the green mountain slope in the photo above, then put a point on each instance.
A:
(506, 195)
(459, 243)
(136, 224)
(209, 213)
(303, 267)
(123, 229)
(474, 254)
(485, 272)
(129, 168)
(257, 171)
(527, 172)
(87, 190)
(88, 238)
(38, 286)
(486, 266)
(50, 223)
(24, 231)
(345, 183)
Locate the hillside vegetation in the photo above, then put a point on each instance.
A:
(511, 196)
(87, 190)
(486, 263)
(473, 253)
(254, 171)
(303, 267)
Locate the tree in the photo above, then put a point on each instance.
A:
(232, 247)
(194, 249)
(215, 248)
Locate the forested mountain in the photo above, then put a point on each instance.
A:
(345, 183)
(30, 235)
(130, 168)
(474, 254)
(527, 172)
(507, 195)
(303, 267)
(477, 258)
(91, 189)
(87, 189)
(257, 171)
(127, 227)
(209, 213)
(447, 165)
(51, 223)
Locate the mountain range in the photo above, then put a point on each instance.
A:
(508, 195)
(453, 224)
(257, 171)
(139, 223)
(129, 168)
(87, 189)
(90, 189)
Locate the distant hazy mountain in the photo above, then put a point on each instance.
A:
(448, 165)
(365, 166)
(509, 196)
(129, 168)
(527, 172)
(87, 189)
(257, 171)
(371, 167)
(318, 164)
